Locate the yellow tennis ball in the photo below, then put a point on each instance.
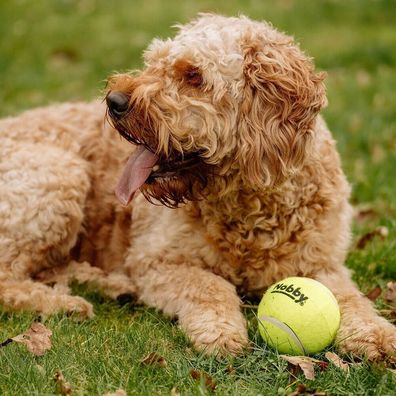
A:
(298, 316)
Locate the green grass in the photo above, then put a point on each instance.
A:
(52, 51)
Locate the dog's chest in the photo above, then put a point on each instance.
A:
(254, 238)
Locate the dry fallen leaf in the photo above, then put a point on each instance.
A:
(364, 212)
(198, 375)
(365, 239)
(307, 364)
(337, 361)
(372, 295)
(62, 385)
(154, 359)
(118, 392)
(390, 294)
(36, 338)
(301, 389)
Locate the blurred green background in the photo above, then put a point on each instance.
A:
(63, 50)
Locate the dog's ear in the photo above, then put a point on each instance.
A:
(282, 96)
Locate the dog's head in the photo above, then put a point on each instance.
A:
(226, 98)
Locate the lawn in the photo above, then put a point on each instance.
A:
(59, 50)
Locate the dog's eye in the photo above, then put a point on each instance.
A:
(193, 76)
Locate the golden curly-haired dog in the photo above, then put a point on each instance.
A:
(226, 121)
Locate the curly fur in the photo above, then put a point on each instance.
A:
(265, 199)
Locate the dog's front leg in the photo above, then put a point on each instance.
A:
(113, 284)
(206, 305)
(362, 330)
(33, 296)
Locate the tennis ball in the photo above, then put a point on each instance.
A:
(298, 316)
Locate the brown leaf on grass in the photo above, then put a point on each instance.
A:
(36, 338)
(63, 55)
(62, 385)
(209, 382)
(382, 232)
(302, 389)
(364, 212)
(390, 294)
(337, 361)
(118, 392)
(154, 359)
(306, 364)
(373, 294)
(174, 392)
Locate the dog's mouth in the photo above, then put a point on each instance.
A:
(146, 167)
(174, 166)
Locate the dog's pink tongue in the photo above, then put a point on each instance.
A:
(135, 173)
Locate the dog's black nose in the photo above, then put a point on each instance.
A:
(117, 103)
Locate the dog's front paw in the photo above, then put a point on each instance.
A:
(373, 339)
(214, 333)
(74, 305)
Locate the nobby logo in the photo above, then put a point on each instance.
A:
(290, 291)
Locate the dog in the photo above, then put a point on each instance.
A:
(231, 182)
